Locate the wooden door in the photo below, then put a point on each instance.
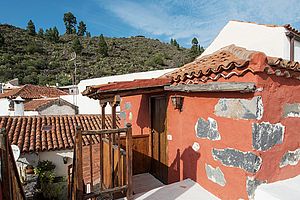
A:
(159, 167)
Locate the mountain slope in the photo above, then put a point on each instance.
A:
(35, 60)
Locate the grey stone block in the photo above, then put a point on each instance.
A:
(291, 110)
(123, 115)
(215, 175)
(266, 135)
(290, 158)
(128, 105)
(207, 129)
(251, 186)
(240, 108)
(247, 161)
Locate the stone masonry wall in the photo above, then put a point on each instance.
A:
(236, 142)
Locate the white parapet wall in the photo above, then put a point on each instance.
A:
(56, 157)
(270, 39)
(91, 106)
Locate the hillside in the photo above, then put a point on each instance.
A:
(35, 60)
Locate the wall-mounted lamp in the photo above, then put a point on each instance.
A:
(65, 159)
(177, 102)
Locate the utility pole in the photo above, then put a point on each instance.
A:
(74, 79)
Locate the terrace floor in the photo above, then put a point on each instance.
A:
(147, 187)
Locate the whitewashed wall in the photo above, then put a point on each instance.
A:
(297, 50)
(270, 40)
(54, 156)
(4, 106)
(91, 106)
(58, 110)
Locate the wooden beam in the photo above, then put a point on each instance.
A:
(103, 105)
(107, 191)
(110, 94)
(242, 87)
(6, 178)
(129, 161)
(79, 168)
(106, 131)
(292, 48)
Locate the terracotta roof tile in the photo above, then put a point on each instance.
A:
(225, 59)
(40, 104)
(292, 29)
(33, 92)
(230, 61)
(46, 133)
(33, 105)
(128, 85)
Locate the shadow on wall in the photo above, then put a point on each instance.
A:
(143, 114)
(189, 159)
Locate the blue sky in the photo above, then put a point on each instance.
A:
(162, 19)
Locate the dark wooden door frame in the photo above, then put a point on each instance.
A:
(165, 131)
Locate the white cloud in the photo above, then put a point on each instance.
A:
(198, 18)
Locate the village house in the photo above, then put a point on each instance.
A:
(48, 137)
(35, 100)
(9, 85)
(91, 106)
(50, 106)
(228, 120)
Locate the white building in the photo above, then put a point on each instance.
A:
(29, 94)
(276, 41)
(90, 106)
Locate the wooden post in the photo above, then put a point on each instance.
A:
(79, 171)
(292, 48)
(129, 161)
(114, 104)
(91, 163)
(103, 105)
(103, 126)
(119, 161)
(5, 168)
(101, 162)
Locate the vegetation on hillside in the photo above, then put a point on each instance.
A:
(45, 57)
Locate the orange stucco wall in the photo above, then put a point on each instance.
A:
(277, 92)
(185, 162)
(135, 110)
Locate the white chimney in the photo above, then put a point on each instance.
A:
(19, 106)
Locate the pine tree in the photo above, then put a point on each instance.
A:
(88, 34)
(194, 41)
(70, 23)
(172, 41)
(76, 46)
(1, 40)
(55, 34)
(31, 28)
(81, 28)
(41, 32)
(52, 34)
(103, 48)
(196, 49)
(176, 44)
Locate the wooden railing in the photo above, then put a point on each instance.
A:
(11, 186)
(112, 177)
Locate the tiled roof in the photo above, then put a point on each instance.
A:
(286, 26)
(127, 85)
(46, 133)
(40, 104)
(229, 61)
(33, 105)
(33, 92)
(292, 29)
